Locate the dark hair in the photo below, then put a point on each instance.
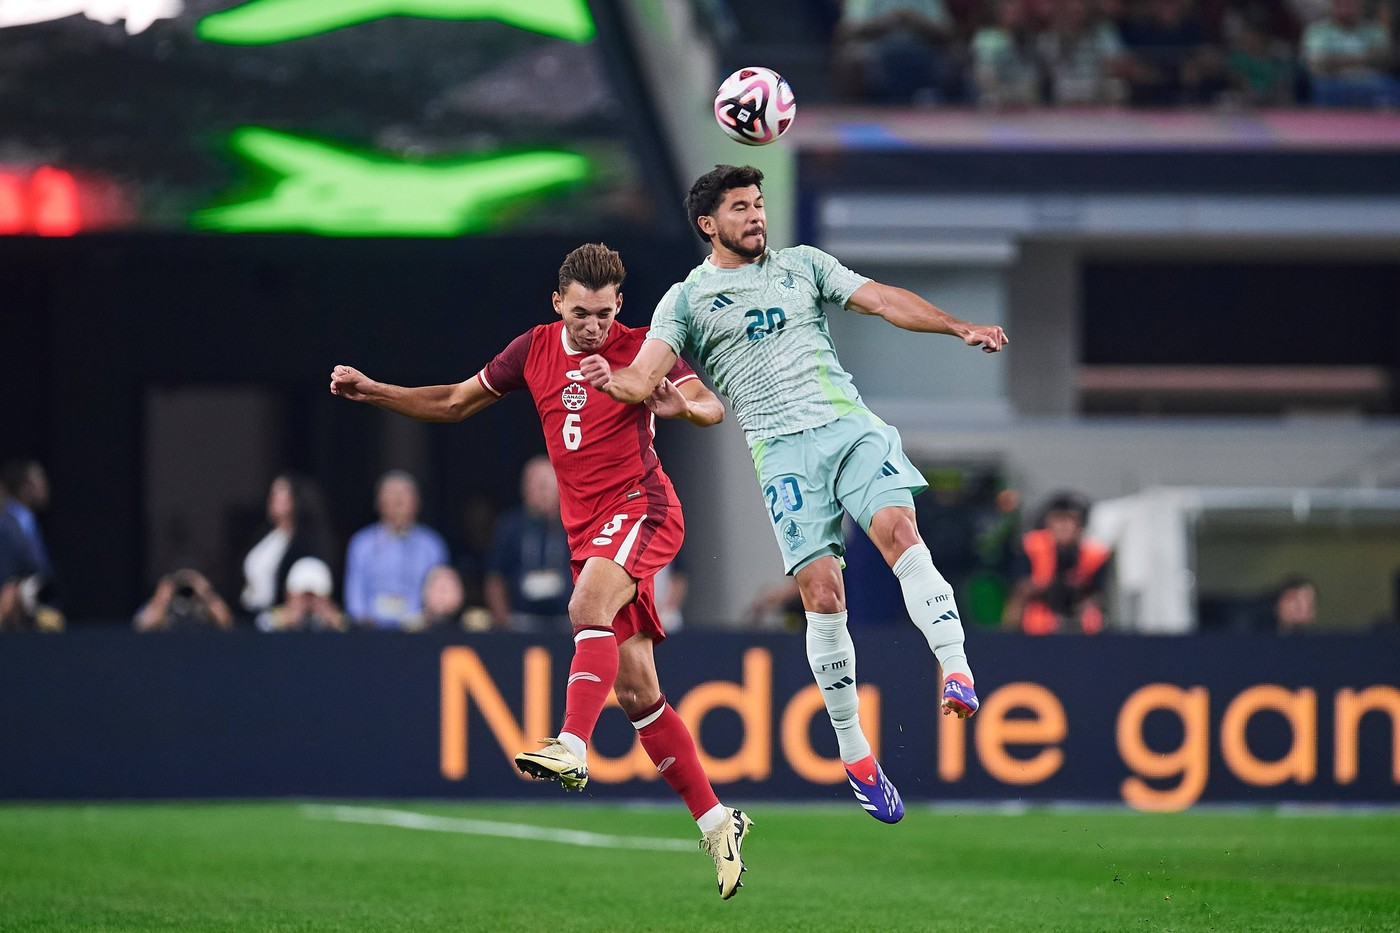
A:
(1066, 502)
(1293, 581)
(14, 474)
(708, 191)
(593, 266)
(310, 516)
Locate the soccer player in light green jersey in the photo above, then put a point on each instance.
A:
(754, 319)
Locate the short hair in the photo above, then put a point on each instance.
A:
(392, 475)
(708, 191)
(593, 266)
(1066, 502)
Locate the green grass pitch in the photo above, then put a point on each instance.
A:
(287, 866)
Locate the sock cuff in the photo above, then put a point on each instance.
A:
(650, 715)
(592, 631)
(826, 619)
(910, 561)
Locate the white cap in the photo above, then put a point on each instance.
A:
(309, 575)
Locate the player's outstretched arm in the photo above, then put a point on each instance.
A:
(425, 403)
(906, 310)
(691, 400)
(636, 381)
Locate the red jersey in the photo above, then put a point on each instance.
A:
(601, 449)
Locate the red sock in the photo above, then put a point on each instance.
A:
(863, 769)
(591, 678)
(672, 749)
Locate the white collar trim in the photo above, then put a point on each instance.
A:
(564, 339)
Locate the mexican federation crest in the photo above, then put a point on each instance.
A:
(574, 396)
(792, 536)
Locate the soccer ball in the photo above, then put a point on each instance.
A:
(755, 106)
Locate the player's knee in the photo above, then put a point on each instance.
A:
(821, 586)
(584, 613)
(894, 531)
(635, 698)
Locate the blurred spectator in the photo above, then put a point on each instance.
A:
(308, 606)
(1348, 57)
(17, 565)
(24, 490)
(1260, 67)
(296, 514)
(1276, 19)
(897, 52)
(387, 562)
(777, 607)
(528, 578)
(1294, 606)
(26, 576)
(1170, 60)
(1062, 576)
(671, 585)
(1005, 70)
(1083, 57)
(183, 601)
(998, 554)
(445, 603)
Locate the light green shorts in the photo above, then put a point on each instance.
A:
(855, 464)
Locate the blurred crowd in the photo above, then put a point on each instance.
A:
(1087, 53)
(1038, 573)
(513, 574)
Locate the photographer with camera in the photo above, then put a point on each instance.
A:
(183, 600)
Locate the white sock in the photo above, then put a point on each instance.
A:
(713, 818)
(930, 603)
(832, 656)
(574, 744)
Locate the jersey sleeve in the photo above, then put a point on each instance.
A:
(681, 372)
(670, 322)
(506, 372)
(835, 282)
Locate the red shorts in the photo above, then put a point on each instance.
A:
(641, 536)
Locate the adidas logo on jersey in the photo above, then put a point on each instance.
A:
(721, 301)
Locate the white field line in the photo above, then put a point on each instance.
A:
(406, 819)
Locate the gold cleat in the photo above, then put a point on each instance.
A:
(554, 762)
(724, 845)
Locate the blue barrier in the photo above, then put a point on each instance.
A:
(1160, 723)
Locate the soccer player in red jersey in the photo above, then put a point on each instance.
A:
(622, 516)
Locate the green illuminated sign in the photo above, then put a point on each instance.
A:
(263, 22)
(336, 191)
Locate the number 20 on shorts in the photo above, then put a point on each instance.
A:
(783, 492)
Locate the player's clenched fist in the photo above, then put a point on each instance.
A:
(989, 338)
(348, 382)
(597, 371)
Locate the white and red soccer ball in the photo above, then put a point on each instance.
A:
(755, 106)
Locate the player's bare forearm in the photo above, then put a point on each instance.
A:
(633, 383)
(704, 408)
(628, 386)
(908, 311)
(424, 403)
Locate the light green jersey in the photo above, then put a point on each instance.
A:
(761, 333)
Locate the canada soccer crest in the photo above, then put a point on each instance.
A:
(574, 396)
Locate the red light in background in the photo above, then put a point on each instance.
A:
(52, 202)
